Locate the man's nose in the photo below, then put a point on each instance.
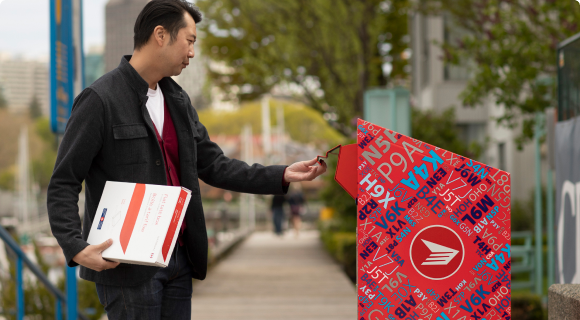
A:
(190, 54)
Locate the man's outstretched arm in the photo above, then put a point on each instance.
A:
(217, 170)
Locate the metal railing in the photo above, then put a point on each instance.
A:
(61, 299)
(523, 259)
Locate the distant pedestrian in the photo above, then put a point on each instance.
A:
(278, 213)
(296, 202)
(224, 211)
(221, 220)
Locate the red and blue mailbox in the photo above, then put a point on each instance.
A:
(433, 229)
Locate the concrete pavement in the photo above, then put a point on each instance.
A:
(273, 278)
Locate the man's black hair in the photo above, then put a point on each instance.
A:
(166, 13)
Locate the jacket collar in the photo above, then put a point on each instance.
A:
(168, 85)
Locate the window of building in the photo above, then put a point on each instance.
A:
(452, 33)
(469, 132)
(424, 51)
(501, 156)
(473, 132)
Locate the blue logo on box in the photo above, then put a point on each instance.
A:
(102, 219)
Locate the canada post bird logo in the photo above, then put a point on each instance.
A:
(102, 219)
(437, 252)
(440, 255)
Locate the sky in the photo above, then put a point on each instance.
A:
(25, 32)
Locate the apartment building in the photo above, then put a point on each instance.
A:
(120, 16)
(437, 86)
(21, 79)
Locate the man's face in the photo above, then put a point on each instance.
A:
(177, 54)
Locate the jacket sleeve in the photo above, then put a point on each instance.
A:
(81, 142)
(217, 170)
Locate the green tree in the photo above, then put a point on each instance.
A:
(440, 130)
(43, 165)
(301, 122)
(512, 46)
(332, 49)
(8, 178)
(34, 108)
(3, 102)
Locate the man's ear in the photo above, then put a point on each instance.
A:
(159, 35)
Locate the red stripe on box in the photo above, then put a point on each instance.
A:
(173, 224)
(132, 214)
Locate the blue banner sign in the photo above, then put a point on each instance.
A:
(61, 64)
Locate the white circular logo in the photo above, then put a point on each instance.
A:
(437, 252)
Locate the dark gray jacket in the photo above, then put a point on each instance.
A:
(110, 136)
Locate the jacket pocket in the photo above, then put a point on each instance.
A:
(131, 144)
(129, 131)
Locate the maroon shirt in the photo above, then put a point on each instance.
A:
(170, 150)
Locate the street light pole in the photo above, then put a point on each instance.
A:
(550, 141)
(538, 133)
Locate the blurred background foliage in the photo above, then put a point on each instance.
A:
(439, 129)
(42, 148)
(499, 40)
(522, 218)
(330, 51)
(302, 124)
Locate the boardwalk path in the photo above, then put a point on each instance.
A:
(276, 278)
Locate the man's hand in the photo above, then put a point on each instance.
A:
(91, 257)
(304, 171)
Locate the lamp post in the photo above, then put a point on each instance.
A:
(538, 133)
(389, 108)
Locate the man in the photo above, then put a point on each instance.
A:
(136, 124)
(278, 213)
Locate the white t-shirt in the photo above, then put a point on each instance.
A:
(155, 106)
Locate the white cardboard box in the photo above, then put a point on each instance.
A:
(143, 220)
